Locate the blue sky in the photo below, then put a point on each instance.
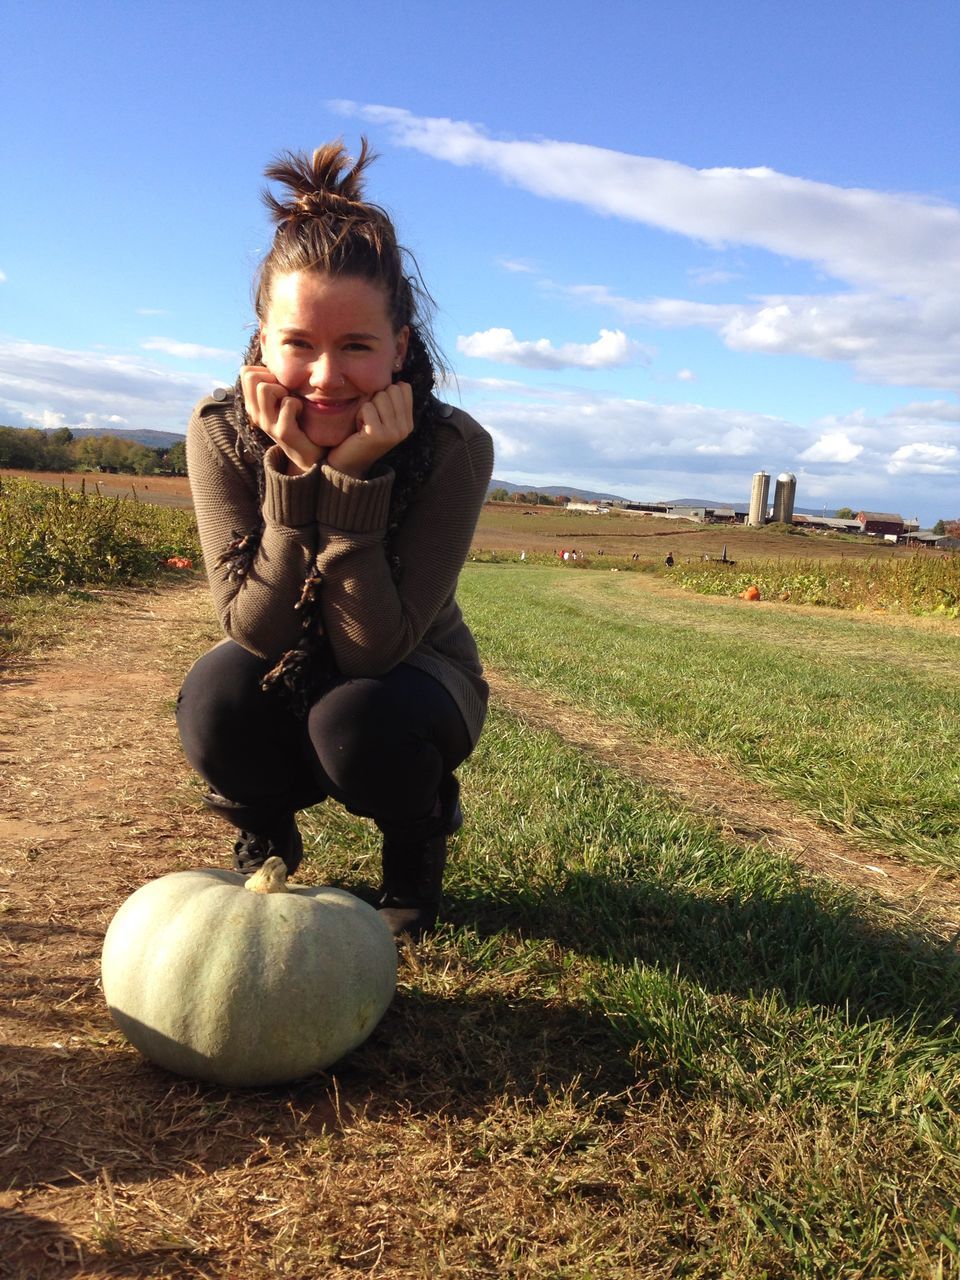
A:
(670, 245)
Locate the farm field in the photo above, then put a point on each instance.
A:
(504, 527)
(546, 530)
(163, 491)
(648, 1040)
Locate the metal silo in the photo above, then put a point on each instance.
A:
(758, 500)
(784, 496)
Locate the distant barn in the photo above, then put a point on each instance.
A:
(880, 523)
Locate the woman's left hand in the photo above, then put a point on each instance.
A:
(383, 422)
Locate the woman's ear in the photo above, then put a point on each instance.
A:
(400, 351)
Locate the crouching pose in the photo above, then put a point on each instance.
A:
(336, 498)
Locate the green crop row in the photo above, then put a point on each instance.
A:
(53, 539)
(918, 584)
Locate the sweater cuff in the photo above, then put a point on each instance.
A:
(288, 500)
(351, 505)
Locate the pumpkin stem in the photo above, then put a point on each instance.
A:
(270, 878)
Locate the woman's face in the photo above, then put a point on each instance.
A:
(330, 341)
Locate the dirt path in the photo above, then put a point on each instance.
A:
(96, 799)
(94, 803)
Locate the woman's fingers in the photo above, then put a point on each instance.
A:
(276, 412)
(270, 399)
(388, 416)
(383, 422)
(301, 452)
(262, 394)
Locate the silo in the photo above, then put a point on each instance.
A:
(758, 500)
(784, 496)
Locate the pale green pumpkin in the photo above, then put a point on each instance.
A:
(246, 981)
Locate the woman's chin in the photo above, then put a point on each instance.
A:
(327, 435)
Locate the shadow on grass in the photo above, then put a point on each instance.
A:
(812, 952)
(71, 1113)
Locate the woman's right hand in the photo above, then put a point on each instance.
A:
(272, 408)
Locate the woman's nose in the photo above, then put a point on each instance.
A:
(325, 372)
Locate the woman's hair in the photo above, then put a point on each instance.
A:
(325, 225)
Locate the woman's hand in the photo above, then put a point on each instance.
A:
(272, 408)
(383, 422)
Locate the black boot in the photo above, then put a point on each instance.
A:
(264, 833)
(414, 856)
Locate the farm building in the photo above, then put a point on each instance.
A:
(880, 523)
(645, 508)
(828, 524)
(926, 538)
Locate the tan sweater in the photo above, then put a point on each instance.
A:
(373, 623)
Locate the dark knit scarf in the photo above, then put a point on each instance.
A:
(303, 671)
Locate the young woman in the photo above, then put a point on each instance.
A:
(337, 498)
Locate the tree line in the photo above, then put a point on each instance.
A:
(30, 449)
(531, 498)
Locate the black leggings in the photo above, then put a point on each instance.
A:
(380, 744)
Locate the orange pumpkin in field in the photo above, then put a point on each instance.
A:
(751, 593)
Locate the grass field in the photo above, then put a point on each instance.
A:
(856, 720)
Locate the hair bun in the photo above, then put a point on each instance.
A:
(313, 204)
(329, 181)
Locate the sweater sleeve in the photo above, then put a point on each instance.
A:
(257, 610)
(372, 620)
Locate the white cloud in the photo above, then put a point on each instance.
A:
(686, 375)
(3, 277)
(573, 427)
(737, 442)
(834, 446)
(185, 350)
(50, 421)
(667, 313)
(901, 243)
(712, 275)
(885, 339)
(483, 385)
(151, 311)
(925, 459)
(515, 264)
(36, 379)
(612, 348)
(926, 411)
(47, 420)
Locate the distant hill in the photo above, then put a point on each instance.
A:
(588, 495)
(152, 439)
(554, 491)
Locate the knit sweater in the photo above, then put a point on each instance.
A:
(338, 522)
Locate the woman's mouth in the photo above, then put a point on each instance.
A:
(331, 407)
